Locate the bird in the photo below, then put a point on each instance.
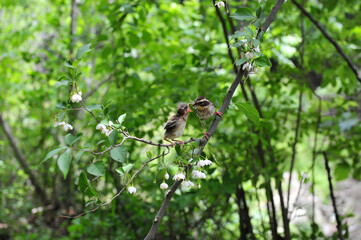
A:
(205, 109)
(175, 126)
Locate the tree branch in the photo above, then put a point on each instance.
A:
(216, 120)
(23, 163)
(330, 39)
(339, 225)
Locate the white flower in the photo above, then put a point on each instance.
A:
(76, 98)
(108, 132)
(188, 184)
(198, 174)
(247, 66)
(59, 124)
(132, 190)
(166, 176)
(164, 186)
(179, 176)
(104, 131)
(80, 93)
(199, 186)
(219, 4)
(110, 123)
(259, 1)
(101, 126)
(204, 162)
(257, 49)
(249, 55)
(56, 124)
(67, 127)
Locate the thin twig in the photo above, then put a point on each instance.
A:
(339, 225)
(330, 39)
(120, 192)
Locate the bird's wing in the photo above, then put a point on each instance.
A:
(172, 123)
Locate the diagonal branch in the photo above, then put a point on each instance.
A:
(22, 160)
(339, 225)
(204, 141)
(330, 39)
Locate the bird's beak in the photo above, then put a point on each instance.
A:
(189, 109)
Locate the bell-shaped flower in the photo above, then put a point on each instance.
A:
(219, 4)
(198, 174)
(179, 176)
(76, 97)
(101, 126)
(166, 176)
(204, 162)
(132, 190)
(188, 184)
(164, 186)
(67, 127)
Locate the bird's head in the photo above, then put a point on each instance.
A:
(200, 103)
(183, 109)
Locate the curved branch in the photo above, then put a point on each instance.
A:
(330, 39)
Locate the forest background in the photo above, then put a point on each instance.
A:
(295, 117)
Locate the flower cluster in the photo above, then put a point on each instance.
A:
(250, 55)
(66, 126)
(105, 129)
(197, 174)
(76, 97)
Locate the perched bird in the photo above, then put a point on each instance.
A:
(205, 109)
(175, 126)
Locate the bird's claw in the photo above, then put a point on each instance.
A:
(205, 135)
(219, 114)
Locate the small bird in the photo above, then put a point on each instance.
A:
(205, 109)
(175, 126)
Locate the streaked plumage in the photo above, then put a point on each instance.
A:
(176, 124)
(205, 109)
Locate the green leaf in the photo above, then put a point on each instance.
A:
(342, 171)
(64, 162)
(149, 154)
(68, 64)
(133, 39)
(128, 167)
(258, 12)
(113, 137)
(82, 50)
(61, 83)
(78, 155)
(243, 14)
(241, 61)
(262, 61)
(70, 139)
(86, 188)
(119, 154)
(120, 171)
(250, 112)
(94, 107)
(96, 169)
(256, 42)
(121, 118)
(249, 31)
(238, 34)
(51, 154)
